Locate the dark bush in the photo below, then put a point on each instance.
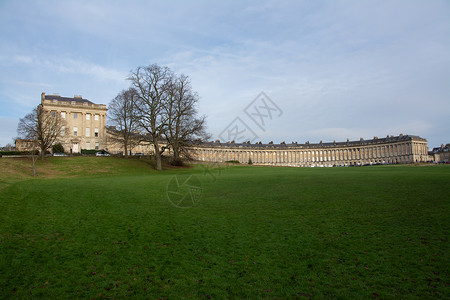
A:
(58, 148)
(6, 153)
(250, 161)
(177, 162)
(232, 161)
(89, 152)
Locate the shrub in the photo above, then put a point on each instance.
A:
(232, 161)
(89, 152)
(6, 153)
(177, 162)
(58, 148)
(250, 161)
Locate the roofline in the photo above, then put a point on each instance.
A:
(360, 143)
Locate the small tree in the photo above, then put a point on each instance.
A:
(41, 126)
(250, 161)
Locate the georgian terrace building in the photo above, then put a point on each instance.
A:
(85, 122)
(392, 149)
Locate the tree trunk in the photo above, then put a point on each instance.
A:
(176, 153)
(42, 154)
(126, 148)
(157, 155)
(33, 161)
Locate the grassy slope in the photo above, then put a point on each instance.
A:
(257, 232)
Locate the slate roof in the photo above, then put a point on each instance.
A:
(59, 98)
(312, 145)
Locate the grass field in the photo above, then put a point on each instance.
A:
(104, 228)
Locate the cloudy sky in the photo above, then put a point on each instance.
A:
(335, 69)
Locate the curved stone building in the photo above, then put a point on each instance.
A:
(389, 150)
(85, 128)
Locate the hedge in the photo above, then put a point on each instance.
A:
(92, 151)
(6, 153)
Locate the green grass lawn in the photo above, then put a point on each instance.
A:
(105, 228)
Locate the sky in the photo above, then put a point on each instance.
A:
(281, 70)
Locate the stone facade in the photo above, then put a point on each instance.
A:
(85, 128)
(115, 146)
(85, 122)
(441, 154)
(24, 145)
(398, 149)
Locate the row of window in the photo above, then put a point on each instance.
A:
(75, 116)
(88, 146)
(75, 131)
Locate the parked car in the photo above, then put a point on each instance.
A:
(102, 153)
(59, 154)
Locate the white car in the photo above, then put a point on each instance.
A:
(59, 154)
(102, 153)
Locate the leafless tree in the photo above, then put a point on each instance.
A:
(8, 147)
(42, 128)
(153, 85)
(183, 124)
(123, 116)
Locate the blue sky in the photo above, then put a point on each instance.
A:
(336, 69)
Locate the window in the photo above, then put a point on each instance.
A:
(75, 130)
(88, 145)
(96, 132)
(63, 115)
(96, 117)
(96, 145)
(53, 114)
(88, 131)
(75, 115)
(63, 131)
(88, 117)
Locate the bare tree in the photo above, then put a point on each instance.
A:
(42, 128)
(8, 147)
(153, 85)
(183, 124)
(123, 115)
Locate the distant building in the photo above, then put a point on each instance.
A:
(441, 154)
(24, 144)
(85, 122)
(389, 150)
